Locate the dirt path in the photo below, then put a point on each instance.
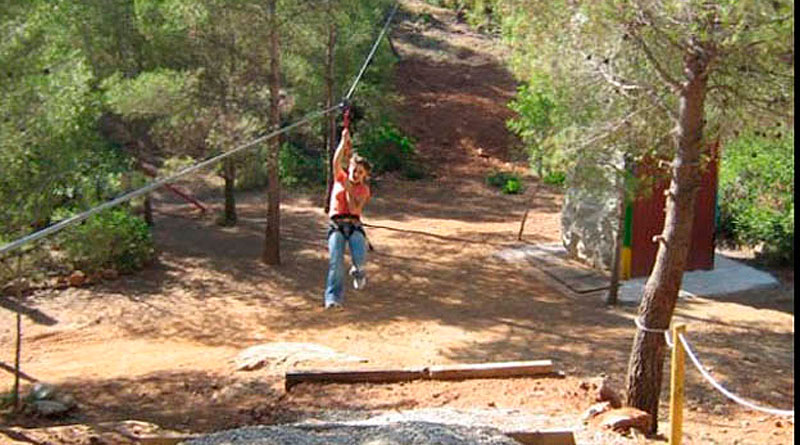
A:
(159, 346)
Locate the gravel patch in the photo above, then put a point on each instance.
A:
(406, 433)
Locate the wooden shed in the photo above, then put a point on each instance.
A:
(644, 218)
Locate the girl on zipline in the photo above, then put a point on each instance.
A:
(349, 195)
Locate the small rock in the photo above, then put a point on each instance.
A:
(49, 408)
(584, 385)
(42, 391)
(77, 279)
(492, 404)
(67, 400)
(607, 394)
(718, 409)
(745, 423)
(109, 274)
(778, 424)
(623, 419)
(596, 410)
(61, 283)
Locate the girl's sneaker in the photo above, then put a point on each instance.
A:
(359, 278)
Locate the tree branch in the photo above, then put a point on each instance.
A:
(610, 129)
(673, 84)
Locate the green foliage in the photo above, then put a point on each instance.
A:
(536, 121)
(7, 400)
(388, 149)
(508, 183)
(512, 187)
(297, 168)
(480, 14)
(112, 239)
(155, 93)
(88, 88)
(557, 177)
(756, 194)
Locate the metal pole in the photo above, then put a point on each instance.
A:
(676, 386)
(18, 350)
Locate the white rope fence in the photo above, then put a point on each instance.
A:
(708, 377)
(720, 388)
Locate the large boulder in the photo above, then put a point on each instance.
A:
(589, 216)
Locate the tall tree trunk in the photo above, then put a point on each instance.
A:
(148, 210)
(331, 121)
(272, 252)
(646, 363)
(229, 174)
(540, 164)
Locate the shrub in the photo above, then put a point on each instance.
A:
(555, 178)
(512, 186)
(756, 195)
(112, 239)
(388, 149)
(508, 183)
(296, 168)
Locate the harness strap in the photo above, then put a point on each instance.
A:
(334, 227)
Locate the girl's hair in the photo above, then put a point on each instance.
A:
(359, 160)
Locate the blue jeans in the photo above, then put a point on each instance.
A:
(334, 288)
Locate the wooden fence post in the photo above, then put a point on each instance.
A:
(676, 386)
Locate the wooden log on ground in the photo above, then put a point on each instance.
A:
(354, 376)
(444, 372)
(543, 437)
(491, 370)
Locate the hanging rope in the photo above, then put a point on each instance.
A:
(371, 53)
(345, 104)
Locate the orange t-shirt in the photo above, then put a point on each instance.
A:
(339, 195)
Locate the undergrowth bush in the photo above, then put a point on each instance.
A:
(558, 178)
(756, 195)
(113, 239)
(508, 183)
(298, 168)
(388, 149)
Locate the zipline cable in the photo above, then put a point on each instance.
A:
(371, 53)
(156, 184)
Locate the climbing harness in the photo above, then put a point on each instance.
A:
(346, 225)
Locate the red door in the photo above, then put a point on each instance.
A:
(648, 221)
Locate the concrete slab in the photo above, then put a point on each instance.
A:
(553, 260)
(728, 276)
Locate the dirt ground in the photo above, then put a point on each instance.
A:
(158, 346)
